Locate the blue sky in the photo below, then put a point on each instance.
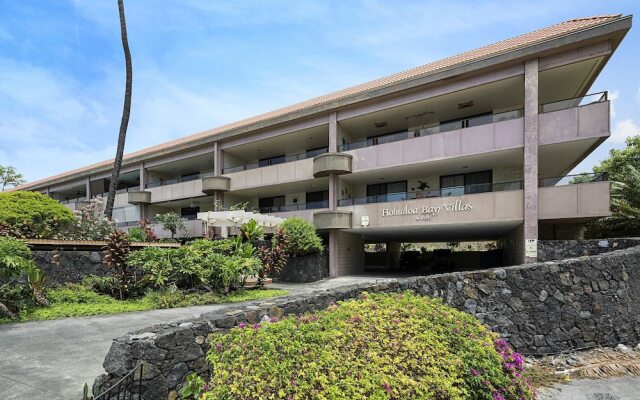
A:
(200, 64)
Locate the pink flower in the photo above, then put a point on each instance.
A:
(257, 326)
(219, 346)
(241, 325)
(387, 388)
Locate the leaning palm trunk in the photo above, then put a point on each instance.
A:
(4, 310)
(124, 122)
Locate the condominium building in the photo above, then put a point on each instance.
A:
(476, 146)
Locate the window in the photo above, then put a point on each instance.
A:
(270, 204)
(189, 213)
(472, 182)
(315, 152)
(317, 199)
(189, 177)
(264, 162)
(391, 191)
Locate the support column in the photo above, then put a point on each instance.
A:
(394, 250)
(530, 172)
(333, 198)
(218, 197)
(143, 186)
(88, 188)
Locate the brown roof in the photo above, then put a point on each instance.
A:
(491, 50)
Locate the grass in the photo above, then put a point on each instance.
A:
(78, 301)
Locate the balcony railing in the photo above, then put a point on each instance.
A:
(77, 200)
(443, 192)
(179, 179)
(573, 179)
(119, 191)
(446, 127)
(276, 160)
(312, 205)
(574, 102)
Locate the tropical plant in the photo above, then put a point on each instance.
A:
(136, 235)
(9, 176)
(172, 222)
(90, 222)
(380, 346)
(114, 256)
(126, 111)
(273, 258)
(302, 237)
(15, 261)
(149, 233)
(32, 215)
(193, 387)
(251, 231)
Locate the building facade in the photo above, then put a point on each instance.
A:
(472, 147)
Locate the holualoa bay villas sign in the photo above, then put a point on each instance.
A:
(427, 212)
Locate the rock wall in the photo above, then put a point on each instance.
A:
(544, 307)
(309, 268)
(73, 266)
(549, 250)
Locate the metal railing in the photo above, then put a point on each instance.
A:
(462, 123)
(574, 102)
(76, 200)
(179, 179)
(443, 192)
(127, 388)
(312, 205)
(276, 160)
(573, 179)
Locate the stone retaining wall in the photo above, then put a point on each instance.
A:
(549, 250)
(309, 268)
(73, 266)
(539, 308)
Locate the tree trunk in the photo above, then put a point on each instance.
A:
(124, 122)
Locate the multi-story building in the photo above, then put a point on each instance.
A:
(472, 147)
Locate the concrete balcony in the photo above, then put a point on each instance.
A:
(332, 163)
(582, 200)
(75, 205)
(433, 145)
(213, 184)
(139, 197)
(295, 171)
(575, 123)
(332, 219)
(176, 191)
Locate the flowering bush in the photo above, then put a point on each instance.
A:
(90, 222)
(381, 346)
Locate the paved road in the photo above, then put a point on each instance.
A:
(53, 359)
(621, 388)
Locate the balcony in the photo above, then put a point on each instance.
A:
(295, 171)
(491, 133)
(213, 184)
(276, 161)
(426, 194)
(332, 163)
(184, 189)
(139, 197)
(579, 118)
(179, 179)
(583, 196)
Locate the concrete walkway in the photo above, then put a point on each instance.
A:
(53, 359)
(620, 388)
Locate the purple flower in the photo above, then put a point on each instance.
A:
(241, 325)
(356, 319)
(257, 326)
(387, 388)
(497, 396)
(475, 372)
(219, 347)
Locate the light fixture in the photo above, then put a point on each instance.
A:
(380, 124)
(465, 104)
(419, 115)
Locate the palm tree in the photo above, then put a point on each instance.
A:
(124, 122)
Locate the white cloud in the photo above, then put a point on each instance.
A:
(623, 129)
(613, 96)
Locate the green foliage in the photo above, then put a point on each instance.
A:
(302, 237)
(136, 235)
(101, 284)
(251, 231)
(381, 346)
(9, 176)
(76, 300)
(90, 222)
(32, 215)
(172, 222)
(623, 167)
(193, 387)
(15, 257)
(15, 261)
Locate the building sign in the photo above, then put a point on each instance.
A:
(425, 213)
(531, 248)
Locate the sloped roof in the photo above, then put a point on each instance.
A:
(488, 51)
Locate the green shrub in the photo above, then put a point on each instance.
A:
(15, 257)
(251, 231)
(76, 294)
(15, 261)
(101, 284)
(32, 215)
(302, 237)
(136, 235)
(381, 346)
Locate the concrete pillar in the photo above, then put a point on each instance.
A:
(333, 132)
(530, 172)
(334, 248)
(217, 159)
(88, 188)
(394, 249)
(143, 177)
